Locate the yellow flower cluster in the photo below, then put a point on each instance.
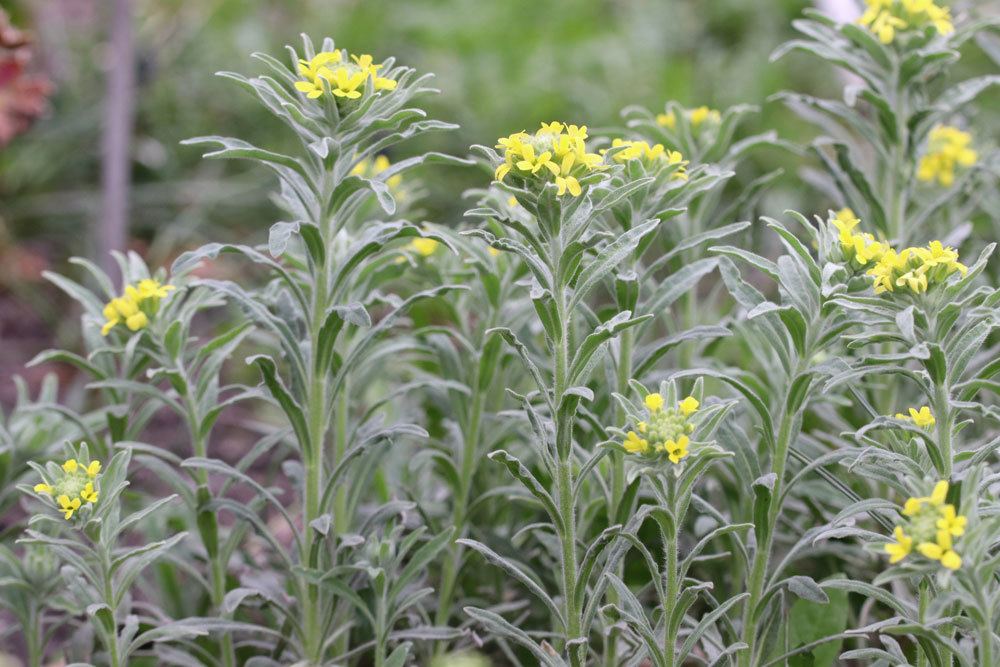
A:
(948, 148)
(915, 269)
(922, 417)
(859, 248)
(653, 157)
(555, 151)
(135, 306)
(665, 432)
(697, 117)
(886, 17)
(931, 524)
(346, 78)
(73, 486)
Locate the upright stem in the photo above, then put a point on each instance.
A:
(923, 599)
(313, 460)
(470, 447)
(942, 413)
(762, 555)
(618, 479)
(670, 567)
(34, 633)
(114, 657)
(564, 482)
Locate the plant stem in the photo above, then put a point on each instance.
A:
(312, 455)
(564, 482)
(33, 636)
(922, 602)
(618, 479)
(470, 448)
(942, 414)
(208, 525)
(762, 555)
(670, 567)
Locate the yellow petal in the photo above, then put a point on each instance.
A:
(654, 402)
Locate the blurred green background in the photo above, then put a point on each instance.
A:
(501, 65)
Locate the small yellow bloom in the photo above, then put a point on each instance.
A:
(68, 505)
(668, 120)
(135, 306)
(556, 153)
(346, 78)
(89, 493)
(568, 184)
(654, 402)
(939, 493)
(885, 18)
(688, 406)
(941, 551)
(702, 115)
(677, 449)
(951, 522)
(652, 156)
(425, 247)
(931, 524)
(948, 148)
(74, 484)
(634, 444)
(922, 417)
(901, 548)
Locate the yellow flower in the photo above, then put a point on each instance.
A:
(88, 493)
(936, 499)
(311, 68)
(702, 115)
(941, 551)
(425, 247)
(71, 485)
(68, 505)
(634, 444)
(951, 522)
(655, 156)
(664, 434)
(556, 153)
(939, 493)
(948, 148)
(148, 288)
(568, 184)
(885, 18)
(901, 548)
(931, 524)
(845, 221)
(135, 306)
(314, 70)
(688, 406)
(677, 449)
(922, 417)
(668, 120)
(346, 78)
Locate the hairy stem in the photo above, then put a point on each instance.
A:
(762, 554)
(314, 463)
